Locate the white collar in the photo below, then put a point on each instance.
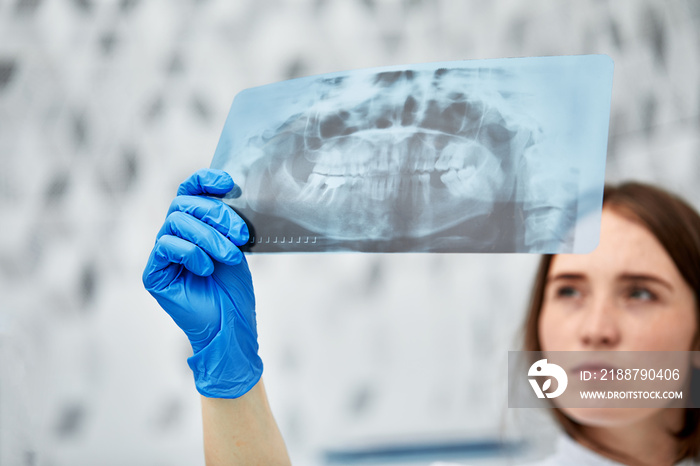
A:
(569, 451)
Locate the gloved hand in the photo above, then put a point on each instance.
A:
(199, 276)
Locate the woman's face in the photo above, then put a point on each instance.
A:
(627, 295)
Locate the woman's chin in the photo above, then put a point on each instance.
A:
(608, 417)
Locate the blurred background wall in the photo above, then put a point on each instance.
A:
(105, 106)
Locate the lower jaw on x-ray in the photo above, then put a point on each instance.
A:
(473, 156)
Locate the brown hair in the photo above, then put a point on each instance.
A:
(676, 225)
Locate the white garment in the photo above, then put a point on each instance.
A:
(571, 453)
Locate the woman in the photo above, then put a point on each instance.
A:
(639, 290)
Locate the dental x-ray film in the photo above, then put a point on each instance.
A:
(502, 155)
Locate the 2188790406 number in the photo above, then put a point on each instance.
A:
(640, 374)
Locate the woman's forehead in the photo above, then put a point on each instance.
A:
(625, 247)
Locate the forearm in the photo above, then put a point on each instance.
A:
(242, 431)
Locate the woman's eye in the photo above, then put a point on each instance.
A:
(567, 292)
(642, 294)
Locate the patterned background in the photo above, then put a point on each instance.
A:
(105, 106)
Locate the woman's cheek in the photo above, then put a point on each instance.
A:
(662, 332)
(553, 329)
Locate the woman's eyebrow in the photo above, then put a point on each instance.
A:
(566, 276)
(644, 277)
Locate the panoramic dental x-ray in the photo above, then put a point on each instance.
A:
(504, 155)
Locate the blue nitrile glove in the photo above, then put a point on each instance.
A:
(199, 276)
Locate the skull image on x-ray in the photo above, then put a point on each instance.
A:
(417, 155)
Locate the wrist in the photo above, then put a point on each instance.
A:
(226, 367)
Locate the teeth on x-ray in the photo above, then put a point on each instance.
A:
(417, 155)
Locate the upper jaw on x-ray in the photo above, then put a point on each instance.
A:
(415, 159)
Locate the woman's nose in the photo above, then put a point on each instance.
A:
(600, 328)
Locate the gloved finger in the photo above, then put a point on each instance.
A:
(170, 250)
(215, 244)
(206, 181)
(214, 213)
